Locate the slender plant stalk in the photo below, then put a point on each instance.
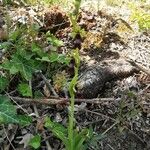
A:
(72, 99)
(71, 124)
(73, 17)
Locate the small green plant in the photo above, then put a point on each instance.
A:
(76, 29)
(70, 136)
(26, 57)
(127, 111)
(72, 94)
(25, 90)
(140, 16)
(35, 142)
(72, 139)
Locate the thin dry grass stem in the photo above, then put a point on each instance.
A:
(8, 138)
(116, 122)
(19, 106)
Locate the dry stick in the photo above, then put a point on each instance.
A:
(64, 101)
(48, 84)
(110, 147)
(11, 138)
(55, 101)
(8, 138)
(135, 135)
(147, 87)
(109, 128)
(96, 113)
(39, 101)
(57, 25)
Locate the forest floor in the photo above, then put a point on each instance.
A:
(120, 112)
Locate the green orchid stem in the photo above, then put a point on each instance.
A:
(71, 124)
(72, 94)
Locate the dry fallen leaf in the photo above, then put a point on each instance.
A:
(25, 139)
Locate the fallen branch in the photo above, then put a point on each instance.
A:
(55, 101)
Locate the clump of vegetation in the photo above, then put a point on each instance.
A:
(70, 136)
(141, 17)
(76, 29)
(24, 56)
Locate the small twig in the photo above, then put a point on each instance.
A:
(40, 101)
(56, 25)
(110, 147)
(8, 138)
(90, 123)
(147, 87)
(96, 113)
(47, 142)
(12, 136)
(38, 116)
(50, 87)
(110, 128)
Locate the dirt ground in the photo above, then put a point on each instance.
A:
(120, 112)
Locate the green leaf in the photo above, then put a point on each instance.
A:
(79, 139)
(92, 140)
(20, 64)
(38, 94)
(13, 69)
(35, 142)
(5, 45)
(46, 58)
(54, 57)
(6, 65)
(53, 40)
(24, 89)
(8, 113)
(3, 83)
(58, 130)
(24, 54)
(35, 48)
(63, 59)
(14, 35)
(24, 120)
